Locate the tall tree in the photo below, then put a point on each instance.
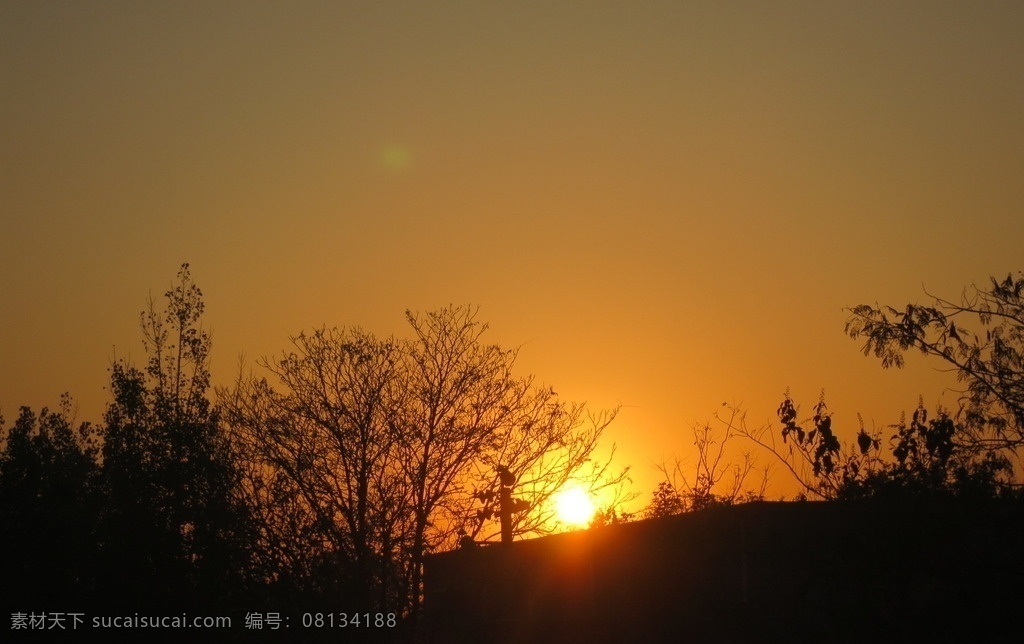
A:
(172, 527)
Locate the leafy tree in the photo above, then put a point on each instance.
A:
(812, 452)
(980, 338)
(927, 463)
(49, 498)
(172, 531)
(923, 459)
(612, 513)
(819, 448)
(666, 502)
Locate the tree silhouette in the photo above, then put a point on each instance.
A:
(49, 499)
(172, 531)
(666, 501)
(384, 449)
(926, 463)
(703, 484)
(981, 339)
(922, 459)
(323, 470)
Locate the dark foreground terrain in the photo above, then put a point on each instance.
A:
(821, 572)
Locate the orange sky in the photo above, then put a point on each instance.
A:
(667, 204)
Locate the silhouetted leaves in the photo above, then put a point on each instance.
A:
(925, 460)
(990, 364)
(49, 499)
(665, 502)
(171, 531)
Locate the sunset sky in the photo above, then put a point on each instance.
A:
(667, 205)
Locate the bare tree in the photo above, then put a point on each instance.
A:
(324, 448)
(703, 484)
(467, 417)
(384, 449)
(551, 447)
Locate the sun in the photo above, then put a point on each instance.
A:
(574, 506)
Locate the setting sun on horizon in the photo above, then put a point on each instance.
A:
(575, 506)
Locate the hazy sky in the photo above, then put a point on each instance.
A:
(667, 204)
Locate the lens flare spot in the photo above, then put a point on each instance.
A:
(395, 157)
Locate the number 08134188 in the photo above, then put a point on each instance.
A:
(349, 620)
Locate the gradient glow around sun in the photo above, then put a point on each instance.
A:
(574, 506)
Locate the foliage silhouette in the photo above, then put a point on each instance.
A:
(172, 532)
(49, 500)
(325, 488)
(980, 338)
(926, 463)
(667, 501)
(923, 461)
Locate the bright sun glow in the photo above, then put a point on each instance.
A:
(574, 506)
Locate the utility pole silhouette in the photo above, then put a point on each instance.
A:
(507, 480)
(506, 504)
